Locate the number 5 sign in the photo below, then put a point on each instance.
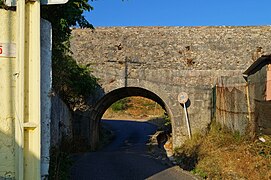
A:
(7, 50)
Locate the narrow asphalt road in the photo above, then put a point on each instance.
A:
(126, 157)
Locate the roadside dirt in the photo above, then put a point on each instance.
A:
(223, 155)
(217, 155)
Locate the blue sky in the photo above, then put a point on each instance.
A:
(179, 12)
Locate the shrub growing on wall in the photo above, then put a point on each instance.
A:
(72, 81)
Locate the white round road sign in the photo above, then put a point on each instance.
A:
(182, 97)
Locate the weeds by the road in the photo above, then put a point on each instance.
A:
(60, 164)
(61, 157)
(223, 155)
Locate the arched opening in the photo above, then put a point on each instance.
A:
(134, 108)
(122, 94)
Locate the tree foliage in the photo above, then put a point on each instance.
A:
(63, 17)
(73, 82)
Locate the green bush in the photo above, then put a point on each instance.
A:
(120, 105)
(200, 173)
(73, 82)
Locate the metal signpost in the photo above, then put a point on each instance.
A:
(183, 98)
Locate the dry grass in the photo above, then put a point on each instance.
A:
(217, 155)
(138, 108)
(223, 155)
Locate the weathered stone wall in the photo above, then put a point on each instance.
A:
(169, 60)
(81, 127)
(61, 123)
(210, 48)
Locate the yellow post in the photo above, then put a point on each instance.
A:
(19, 119)
(28, 90)
(32, 94)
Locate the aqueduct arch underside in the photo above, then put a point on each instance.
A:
(170, 60)
(104, 103)
(108, 99)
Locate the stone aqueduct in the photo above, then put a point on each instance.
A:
(160, 62)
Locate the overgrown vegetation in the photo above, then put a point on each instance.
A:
(167, 119)
(74, 84)
(224, 155)
(61, 157)
(61, 160)
(60, 163)
(120, 105)
(71, 81)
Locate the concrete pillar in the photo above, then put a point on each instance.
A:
(46, 88)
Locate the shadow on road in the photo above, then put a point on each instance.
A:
(126, 157)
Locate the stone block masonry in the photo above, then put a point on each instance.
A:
(197, 48)
(169, 60)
